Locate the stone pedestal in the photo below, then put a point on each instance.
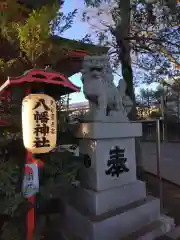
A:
(111, 204)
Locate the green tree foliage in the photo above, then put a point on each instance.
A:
(30, 38)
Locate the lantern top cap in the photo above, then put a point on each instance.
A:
(54, 83)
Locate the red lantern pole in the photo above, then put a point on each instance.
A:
(32, 199)
(31, 212)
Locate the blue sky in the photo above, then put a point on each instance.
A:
(77, 31)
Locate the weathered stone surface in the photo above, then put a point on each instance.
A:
(114, 224)
(103, 201)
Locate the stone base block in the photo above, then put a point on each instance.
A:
(115, 224)
(163, 229)
(153, 230)
(174, 234)
(104, 201)
(109, 130)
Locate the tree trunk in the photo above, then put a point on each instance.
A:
(122, 34)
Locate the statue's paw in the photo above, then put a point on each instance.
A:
(117, 116)
(100, 115)
(96, 115)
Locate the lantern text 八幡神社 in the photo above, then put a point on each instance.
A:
(39, 123)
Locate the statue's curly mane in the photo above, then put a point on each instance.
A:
(105, 74)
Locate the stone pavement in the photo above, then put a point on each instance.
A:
(169, 162)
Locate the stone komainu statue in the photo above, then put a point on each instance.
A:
(105, 99)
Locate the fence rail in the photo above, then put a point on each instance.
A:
(169, 131)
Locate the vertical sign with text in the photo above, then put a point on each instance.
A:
(31, 180)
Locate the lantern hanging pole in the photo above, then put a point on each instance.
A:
(31, 212)
(32, 199)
